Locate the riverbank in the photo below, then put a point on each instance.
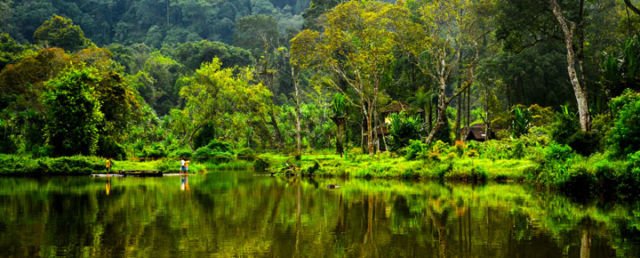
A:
(389, 166)
(554, 167)
(16, 165)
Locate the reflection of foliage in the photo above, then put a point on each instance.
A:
(244, 215)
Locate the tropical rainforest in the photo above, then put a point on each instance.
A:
(544, 90)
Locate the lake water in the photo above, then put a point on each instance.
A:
(240, 214)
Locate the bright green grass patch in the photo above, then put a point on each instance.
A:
(387, 166)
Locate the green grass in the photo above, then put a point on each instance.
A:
(389, 166)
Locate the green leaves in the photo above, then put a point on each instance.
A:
(61, 32)
(73, 112)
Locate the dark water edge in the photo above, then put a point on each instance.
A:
(244, 214)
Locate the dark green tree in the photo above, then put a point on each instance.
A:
(61, 32)
(73, 112)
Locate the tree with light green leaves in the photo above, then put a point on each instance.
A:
(357, 47)
(222, 97)
(441, 32)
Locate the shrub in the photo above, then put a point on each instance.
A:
(156, 151)
(219, 146)
(107, 147)
(415, 149)
(520, 120)
(565, 125)
(210, 155)
(260, 165)
(624, 137)
(555, 163)
(518, 150)
(246, 154)
(578, 181)
(181, 153)
(460, 148)
(584, 143)
(558, 152)
(403, 129)
(168, 166)
(204, 135)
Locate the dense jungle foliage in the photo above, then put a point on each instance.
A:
(551, 82)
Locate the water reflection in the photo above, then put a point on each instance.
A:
(184, 182)
(107, 187)
(231, 214)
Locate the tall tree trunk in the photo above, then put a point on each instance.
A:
(468, 124)
(274, 122)
(568, 29)
(298, 113)
(458, 118)
(340, 121)
(585, 243)
(369, 116)
(441, 111)
(430, 123)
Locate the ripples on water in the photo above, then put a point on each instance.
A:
(239, 214)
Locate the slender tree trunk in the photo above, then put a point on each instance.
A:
(274, 122)
(298, 113)
(441, 111)
(585, 243)
(458, 117)
(339, 135)
(468, 124)
(430, 123)
(568, 29)
(369, 117)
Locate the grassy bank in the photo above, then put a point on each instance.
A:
(553, 166)
(387, 166)
(14, 165)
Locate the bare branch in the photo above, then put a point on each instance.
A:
(632, 7)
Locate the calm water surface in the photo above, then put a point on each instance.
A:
(235, 214)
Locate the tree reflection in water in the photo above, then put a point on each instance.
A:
(239, 214)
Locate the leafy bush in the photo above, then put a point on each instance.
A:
(10, 164)
(210, 155)
(555, 163)
(624, 137)
(584, 143)
(246, 154)
(415, 149)
(261, 165)
(565, 125)
(181, 153)
(156, 151)
(403, 128)
(578, 181)
(107, 147)
(168, 166)
(219, 146)
(520, 120)
(460, 148)
(204, 135)
(518, 150)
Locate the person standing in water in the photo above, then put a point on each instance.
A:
(186, 166)
(182, 167)
(108, 165)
